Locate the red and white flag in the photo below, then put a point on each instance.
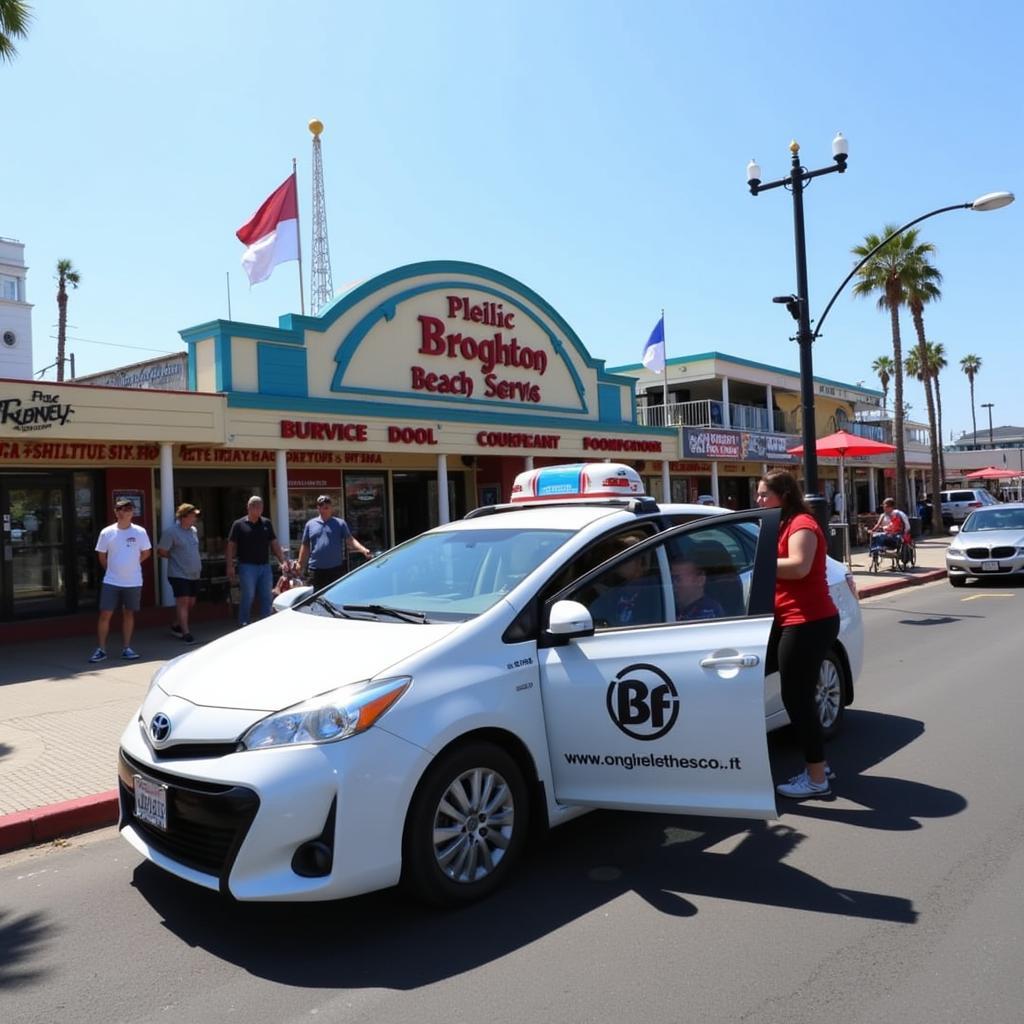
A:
(272, 235)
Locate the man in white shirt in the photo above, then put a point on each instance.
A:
(121, 549)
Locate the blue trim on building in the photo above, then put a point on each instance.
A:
(281, 371)
(609, 403)
(222, 362)
(192, 385)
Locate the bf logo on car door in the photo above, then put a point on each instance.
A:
(643, 702)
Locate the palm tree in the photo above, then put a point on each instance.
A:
(883, 275)
(882, 368)
(971, 364)
(14, 18)
(936, 364)
(921, 280)
(66, 275)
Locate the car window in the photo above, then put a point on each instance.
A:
(448, 575)
(995, 519)
(704, 574)
(598, 552)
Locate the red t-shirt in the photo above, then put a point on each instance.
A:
(807, 599)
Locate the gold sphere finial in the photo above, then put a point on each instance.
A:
(316, 126)
(794, 147)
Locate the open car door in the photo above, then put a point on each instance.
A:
(652, 672)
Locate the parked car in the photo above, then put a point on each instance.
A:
(958, 505)
(990, 543)
(523, 664)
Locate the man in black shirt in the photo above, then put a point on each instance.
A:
(252, 538)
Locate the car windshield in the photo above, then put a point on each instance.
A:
(449, 576)
(995, 519)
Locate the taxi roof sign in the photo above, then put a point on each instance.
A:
(582, 481)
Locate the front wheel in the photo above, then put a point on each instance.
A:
(958, 581)
(466, 827)
(828, 694)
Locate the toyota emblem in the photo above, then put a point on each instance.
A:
(160, 727)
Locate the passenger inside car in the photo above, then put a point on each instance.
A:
(689, 579)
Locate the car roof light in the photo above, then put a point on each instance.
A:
(583, 481)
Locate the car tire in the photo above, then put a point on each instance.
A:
(829, 694)
(958, 581)
(467, 826)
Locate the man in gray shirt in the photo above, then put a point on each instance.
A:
(180, 546)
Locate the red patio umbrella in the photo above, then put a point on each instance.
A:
(991, 473)
(839, 445)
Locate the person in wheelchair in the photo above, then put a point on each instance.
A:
(891, 528)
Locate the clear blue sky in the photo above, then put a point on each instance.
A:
(596, 151)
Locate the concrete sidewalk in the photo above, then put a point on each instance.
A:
(61, 718)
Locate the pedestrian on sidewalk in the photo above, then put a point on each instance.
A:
(805, 628)
(180, 546)
(121, 548)
(252, 538)
(325, 540)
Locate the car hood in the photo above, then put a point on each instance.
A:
(292, 656)
(988, 539)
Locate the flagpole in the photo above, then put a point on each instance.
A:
(664, 368)
(298, 232)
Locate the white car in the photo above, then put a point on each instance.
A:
(523, 664)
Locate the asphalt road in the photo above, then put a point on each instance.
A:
(901, 899)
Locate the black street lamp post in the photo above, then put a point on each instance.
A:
(988, 405)
(798, 304)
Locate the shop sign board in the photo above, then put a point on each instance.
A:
(712, 443)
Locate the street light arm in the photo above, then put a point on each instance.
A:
(881, 245)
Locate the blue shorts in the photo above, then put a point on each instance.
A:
(112, 598)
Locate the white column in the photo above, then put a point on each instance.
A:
(872, 493)
(714, 481)
(770, 399)
(166, 519)
(528, 462)
(913, 491)
(281, 502)
(443, 512)
(666, 482)
(726, 418)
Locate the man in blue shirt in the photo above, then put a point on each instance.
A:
(688, 579)
(324, 542)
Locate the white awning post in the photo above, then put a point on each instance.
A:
(443, 511)
(281, 524)
(666, 482)
(714, 482)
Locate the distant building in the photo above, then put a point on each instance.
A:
(15, 313)
(168, 373)
(999, 437)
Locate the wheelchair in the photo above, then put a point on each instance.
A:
(901, 558)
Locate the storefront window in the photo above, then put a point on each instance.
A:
(87, 567)
(366, 509)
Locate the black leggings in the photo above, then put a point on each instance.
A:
(797, 652)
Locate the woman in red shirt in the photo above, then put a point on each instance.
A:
(806, 626)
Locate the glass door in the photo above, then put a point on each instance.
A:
(34, 577)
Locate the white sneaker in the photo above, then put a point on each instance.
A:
(801, 787)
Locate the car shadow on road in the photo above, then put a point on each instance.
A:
(671, 862)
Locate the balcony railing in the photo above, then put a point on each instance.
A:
(707, 412)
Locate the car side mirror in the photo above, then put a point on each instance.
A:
(954, 529)
(569, 619)
(284, 601)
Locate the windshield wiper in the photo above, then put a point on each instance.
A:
(383, 609)
(331, 607)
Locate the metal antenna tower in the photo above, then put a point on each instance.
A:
(321, 287)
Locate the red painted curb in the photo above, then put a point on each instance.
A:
(64, 819)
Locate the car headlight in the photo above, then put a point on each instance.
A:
(330, 717)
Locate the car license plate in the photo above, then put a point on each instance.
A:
(151, 802)
(990, 567)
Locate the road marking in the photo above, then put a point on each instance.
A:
(975, 597)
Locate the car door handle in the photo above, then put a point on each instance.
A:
(731, 661)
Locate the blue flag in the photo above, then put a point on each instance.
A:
(654, 351)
